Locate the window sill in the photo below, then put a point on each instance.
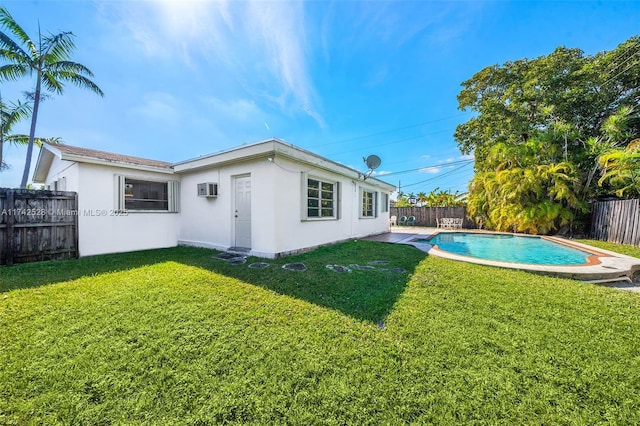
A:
(147, 211)
(318, 219)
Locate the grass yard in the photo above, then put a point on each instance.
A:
(176, 337)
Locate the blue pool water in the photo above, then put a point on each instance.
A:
(509, 248)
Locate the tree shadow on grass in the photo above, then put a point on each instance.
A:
(368, 294)
(37, 274)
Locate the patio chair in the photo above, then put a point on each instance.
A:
(411, 221)
(393, 220)
(402, 221)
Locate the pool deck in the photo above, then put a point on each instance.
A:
(606, 266)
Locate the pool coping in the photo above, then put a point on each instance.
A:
(603, 266)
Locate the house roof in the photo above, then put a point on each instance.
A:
(274, 148)
(86, 155)
(109, 156)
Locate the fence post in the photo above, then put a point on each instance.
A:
(11, 209)
(76, 227)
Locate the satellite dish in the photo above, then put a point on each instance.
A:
(373, 162)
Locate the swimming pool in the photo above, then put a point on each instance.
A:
(541, 255)
(510, 248)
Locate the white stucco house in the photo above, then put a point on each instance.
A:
(267, 199)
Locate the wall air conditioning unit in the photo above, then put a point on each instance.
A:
(208, 189)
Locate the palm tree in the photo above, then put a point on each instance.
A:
(10, 114)
(622, 170)
(422, 198)
(48, 59)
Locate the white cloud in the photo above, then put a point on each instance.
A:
(159, 107)
(434, 170)
(242, 110)
(262, 45)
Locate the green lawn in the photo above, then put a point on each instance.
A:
(177, 337)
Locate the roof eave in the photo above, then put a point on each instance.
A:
(45, 159)
(102, 162)
(267, 148)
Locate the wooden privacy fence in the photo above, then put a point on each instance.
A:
(616, 221)
(426, 216)
(37, 225)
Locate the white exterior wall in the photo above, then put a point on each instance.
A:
(100, 228)
(278, 175)
(296, 233)
(66, 171)
(278, 200)
(210, 222)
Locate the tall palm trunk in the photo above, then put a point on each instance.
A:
(1, 149)
(32, 133)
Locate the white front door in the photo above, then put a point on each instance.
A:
(243, 211)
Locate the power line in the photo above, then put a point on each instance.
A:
(435, 166)
(450, 172)
(394, 142)
(620, 73)
(384, 132)
(621, 61)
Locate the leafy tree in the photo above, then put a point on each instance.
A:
(566, 92)
(403, 202)
(540, 129)
(49, 59)
(440, 198)
(622, 170)
(520, 195)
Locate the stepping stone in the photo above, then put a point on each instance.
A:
(237, 261)
(338, 268)
(225, 256)
(259, 265)
(394, 270)
(295, 266)
(361, 268)
(378, 262)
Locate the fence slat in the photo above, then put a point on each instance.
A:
(37, 225)
(426, 216)
(616, 221)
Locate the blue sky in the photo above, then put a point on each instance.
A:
(343, 79)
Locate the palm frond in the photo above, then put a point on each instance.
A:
(14, 71)
(78, 81)
(7, 21)
(11, 50)
(51, 83)
(12, 113)
(20, 139)
(58, 47)
(70, 66)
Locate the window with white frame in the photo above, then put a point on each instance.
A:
(322, 199)
(384, 206)
(135, 194)
(368, 203)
